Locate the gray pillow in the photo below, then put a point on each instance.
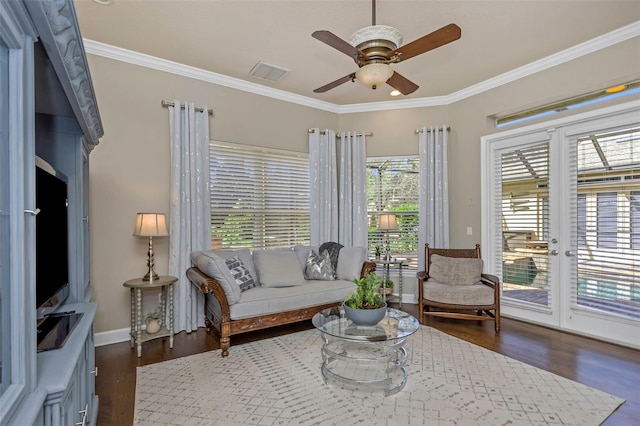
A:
(216, 267)
(303, 254)
(318, 267)
(278, 268)
(455, 270)
(350, 262)
(244, 255)
(240, 273)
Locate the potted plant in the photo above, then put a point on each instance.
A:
(364, 305)
(152, 320)
(386, 287)
(377, 252)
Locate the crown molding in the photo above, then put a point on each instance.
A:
(614, 37)
(148, 61)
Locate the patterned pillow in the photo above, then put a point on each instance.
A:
(318, 267)
(240, 273)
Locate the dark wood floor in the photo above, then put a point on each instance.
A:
(611, 368)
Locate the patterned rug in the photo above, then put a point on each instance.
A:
(277, 382)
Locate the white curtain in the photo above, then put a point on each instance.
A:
(189, 226)
(323, 175)
(352, 211)
(433, 223)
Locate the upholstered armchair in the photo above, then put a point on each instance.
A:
(453, 282)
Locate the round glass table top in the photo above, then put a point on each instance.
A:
(395, 325)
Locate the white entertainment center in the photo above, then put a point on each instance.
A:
(48, 110)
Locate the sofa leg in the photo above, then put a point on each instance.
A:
(225, 342)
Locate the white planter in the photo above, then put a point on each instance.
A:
(153, 326)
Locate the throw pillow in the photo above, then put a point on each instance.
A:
(278, 268)
(350, 262)
(318, 267)
(243, 254)
(334, 252)
(240, 273)
(455, 270)
(216, 267)
(303, 253)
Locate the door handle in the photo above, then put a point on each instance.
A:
(570, 253)
(553, 252)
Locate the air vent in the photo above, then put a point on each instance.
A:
(268, 72)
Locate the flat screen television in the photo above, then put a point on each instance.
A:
(52, 239)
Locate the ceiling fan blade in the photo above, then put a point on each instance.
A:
(438, 38)
(402, 84)
(336, 42)
(336, 83)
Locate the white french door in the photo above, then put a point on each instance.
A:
(561, 222)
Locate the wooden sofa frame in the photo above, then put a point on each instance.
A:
(226, 327)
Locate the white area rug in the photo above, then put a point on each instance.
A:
(277, 382)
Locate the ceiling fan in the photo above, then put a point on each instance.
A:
(373, 48)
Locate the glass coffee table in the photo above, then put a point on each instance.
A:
(365, 356)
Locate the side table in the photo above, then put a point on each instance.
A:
(137, 285)
(385, 264)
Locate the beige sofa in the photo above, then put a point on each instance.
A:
(270, 287)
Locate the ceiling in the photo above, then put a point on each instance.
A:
(230, 37)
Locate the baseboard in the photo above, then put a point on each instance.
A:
(122, 335)
(112, 336)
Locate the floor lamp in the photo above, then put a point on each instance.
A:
(387, 222)
(150, 225)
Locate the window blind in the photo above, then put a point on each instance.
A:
(392, 188)
(524, 177)
(259, 197)
(607, 266)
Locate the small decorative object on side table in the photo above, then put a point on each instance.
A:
(137, 285)
(386, 264)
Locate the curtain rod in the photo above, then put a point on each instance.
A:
(322, 132)
(168, 104)
(420, 130)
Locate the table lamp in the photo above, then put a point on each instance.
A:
(387, 222)
(150, 225)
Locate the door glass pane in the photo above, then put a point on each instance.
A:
(608, 266)
(525, 224)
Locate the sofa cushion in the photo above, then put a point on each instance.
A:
(263, 301)
(318, 267)
(476, 294)
(240, 273)
(244, 255)
(216, 267)
(455, 270)
(303, 254)
(278, 268)
(350, 262)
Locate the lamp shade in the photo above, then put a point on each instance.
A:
(374, 74)
(387, 222)
(150, 225)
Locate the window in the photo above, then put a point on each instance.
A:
(393, 187)
(582, 220)
(607, 216)
(259, 197)
(635, 220)
(580, 101)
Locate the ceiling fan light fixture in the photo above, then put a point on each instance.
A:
(373, 75)
(395, 93)
(376, 32)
